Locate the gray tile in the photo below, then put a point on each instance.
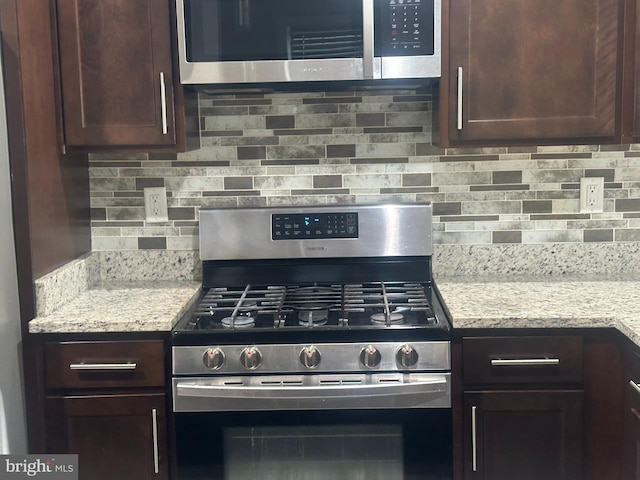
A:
(627, 205)
(152, 243)
(327, 181)
(341, 151)
(503, 177)
(281, 121)
(537, 206)
(598, 235)
(507, 237)
(252, 153)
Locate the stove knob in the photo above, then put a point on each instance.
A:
(310, 356)
(250, 358)
(370, 356)
(406, 356)
(213, 358)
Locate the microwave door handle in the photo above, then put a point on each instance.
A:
(367, 38)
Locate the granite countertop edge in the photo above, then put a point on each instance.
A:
(544, 302)
(474, 302)
(121, 307)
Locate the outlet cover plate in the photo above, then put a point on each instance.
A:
(155, 205)
(591, 194)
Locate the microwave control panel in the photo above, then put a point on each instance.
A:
(404, 28)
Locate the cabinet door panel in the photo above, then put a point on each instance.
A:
(115, 436)
(528, 435)
(116, 72)
(534, 69)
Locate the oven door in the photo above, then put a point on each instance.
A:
(389, 428)
(407, 444)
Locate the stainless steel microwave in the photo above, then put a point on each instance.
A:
(267, 41)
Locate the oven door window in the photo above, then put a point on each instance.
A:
(319, 445)
(254, 30)
(344, 452)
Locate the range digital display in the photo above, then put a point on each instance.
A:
(301, 226)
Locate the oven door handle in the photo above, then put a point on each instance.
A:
(420, 391)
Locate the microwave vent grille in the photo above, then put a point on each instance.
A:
(310, 44)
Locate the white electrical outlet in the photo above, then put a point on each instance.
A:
(155, 204)
(591, 194)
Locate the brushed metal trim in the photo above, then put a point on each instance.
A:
(459, 109)
(367, 38)
(314, 392)
(154, 426)
(103, 366)
(163, 103)
(385, 230)
(474, 444)
(434, 356)
(524, 362)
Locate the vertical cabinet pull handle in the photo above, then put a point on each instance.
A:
(154, 425)
(474, 454)
(459, 118)
(163, 102)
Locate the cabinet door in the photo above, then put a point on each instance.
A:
(116, 72)
(528, 435)
(634, 100)
(120, 437)
(533, 71)
(631, 419)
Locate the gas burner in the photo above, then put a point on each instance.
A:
(241, 321)
(311, 317)
(313, 303)
(393, 318)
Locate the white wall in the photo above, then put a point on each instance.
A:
(12, 416)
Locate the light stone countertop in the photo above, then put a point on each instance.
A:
(544, 302)
(121, 307)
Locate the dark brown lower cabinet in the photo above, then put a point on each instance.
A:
(116, 436)
(523, 435)
(631, 415)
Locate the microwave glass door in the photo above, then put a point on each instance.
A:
(255, 30)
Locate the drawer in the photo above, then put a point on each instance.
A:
(522, 360)
(104, 364)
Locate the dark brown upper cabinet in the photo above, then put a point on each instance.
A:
(533, 72)
(116, 74)
(631, 103)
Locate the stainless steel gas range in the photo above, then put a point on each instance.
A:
(320, 348)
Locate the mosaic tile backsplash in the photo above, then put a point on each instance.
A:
(317, 148)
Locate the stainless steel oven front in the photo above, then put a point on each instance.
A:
(392, 424)
(320, 349)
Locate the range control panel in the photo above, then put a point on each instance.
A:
(301, 226)
(405, 27)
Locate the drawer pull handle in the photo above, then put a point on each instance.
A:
(103, 366)
(635, 386)
(474, 454)
(524, 362)
(156, 456)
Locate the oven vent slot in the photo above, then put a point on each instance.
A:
(233, 383)
(281, 383)
(341, 381)
(390, 380)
